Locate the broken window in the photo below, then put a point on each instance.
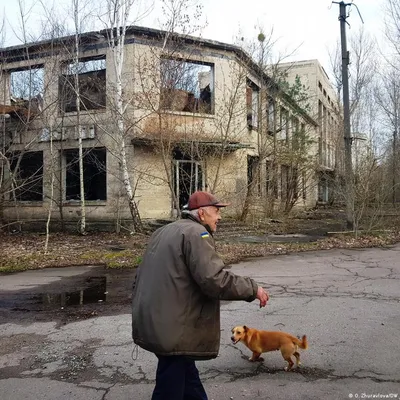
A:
(94, 174)
(296, 134)
(284, 182)
(303, 136)
(188, 176)
(253, 174)
(27, 89)
(271, 184)
(289, 186)
(187, 86)
(27, 176)
(252, 102)
(323, 189)
(271, 116)
(304, 186)
(91, 85)
(284, 125)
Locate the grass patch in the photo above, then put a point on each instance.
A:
(25, 251)
(11, 266)
(125, 262)
(117, 254)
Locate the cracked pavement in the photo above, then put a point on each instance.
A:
(346, 301)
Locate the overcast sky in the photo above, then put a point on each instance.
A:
(310, 26)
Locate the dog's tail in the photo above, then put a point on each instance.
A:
(303, 344)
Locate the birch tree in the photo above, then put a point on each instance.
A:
(77, 32)
(167, 78)
(118, 12)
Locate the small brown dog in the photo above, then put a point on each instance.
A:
(263, 341)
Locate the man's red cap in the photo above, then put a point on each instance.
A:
(204, 199)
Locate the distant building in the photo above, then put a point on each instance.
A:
(326, 109)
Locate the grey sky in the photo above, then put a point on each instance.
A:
(304, 29)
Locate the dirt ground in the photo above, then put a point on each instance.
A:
(308, 230)
(106, 285)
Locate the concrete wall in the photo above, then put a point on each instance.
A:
(149, 166)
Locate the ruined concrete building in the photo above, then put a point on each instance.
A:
(326, 108)
(198, 114)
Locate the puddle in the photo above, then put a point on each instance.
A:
(76, 288)
(94, 292)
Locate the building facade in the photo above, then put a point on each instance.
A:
(326, 109)
(187, 115)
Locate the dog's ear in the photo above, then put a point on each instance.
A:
(245, 328)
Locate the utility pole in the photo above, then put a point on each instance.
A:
(394, 164)
(349, 180)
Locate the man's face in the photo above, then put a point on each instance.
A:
(210, 216)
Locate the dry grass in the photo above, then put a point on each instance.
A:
(25, 250)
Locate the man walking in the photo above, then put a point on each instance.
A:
(176, 298)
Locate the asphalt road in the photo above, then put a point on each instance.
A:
(346, 301)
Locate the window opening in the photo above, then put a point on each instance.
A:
(187, 86)
(253, 174)
(92, 85)
(28, 176)
(94, 174)
(252, 102)
(188, 177)
(27, 89)
(271, 116)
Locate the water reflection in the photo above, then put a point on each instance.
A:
(95, 291)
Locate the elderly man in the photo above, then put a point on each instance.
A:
(176, 298)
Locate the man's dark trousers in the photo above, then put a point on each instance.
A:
(178, 379)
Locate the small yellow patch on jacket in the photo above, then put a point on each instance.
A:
(204, 235)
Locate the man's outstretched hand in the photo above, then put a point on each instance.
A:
(262, 295)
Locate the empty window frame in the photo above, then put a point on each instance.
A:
(187, 86)
(294, 183)
(284, 182)
(91, 75)
(94, 174)
(188, 175)
(323, 189)
(253, 174)
(27, 88)
(27, 176)
(27, 83)
(324, 121)
(284, 124)
(252, 104)
(271, 116)
(271, 183)
(320, 116)
(304, 186)
(296, 134)
(289, 183)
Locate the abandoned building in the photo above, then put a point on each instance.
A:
(197, 114)
(325, 107)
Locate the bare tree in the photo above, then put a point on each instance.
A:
(390, 86)
(362, 73)
(173, 83)
(284, 141)
(392, 24)
(388, 100)
(117, 17)
(24, 112)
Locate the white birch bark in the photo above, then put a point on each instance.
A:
(82, 221)
(118, 17)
